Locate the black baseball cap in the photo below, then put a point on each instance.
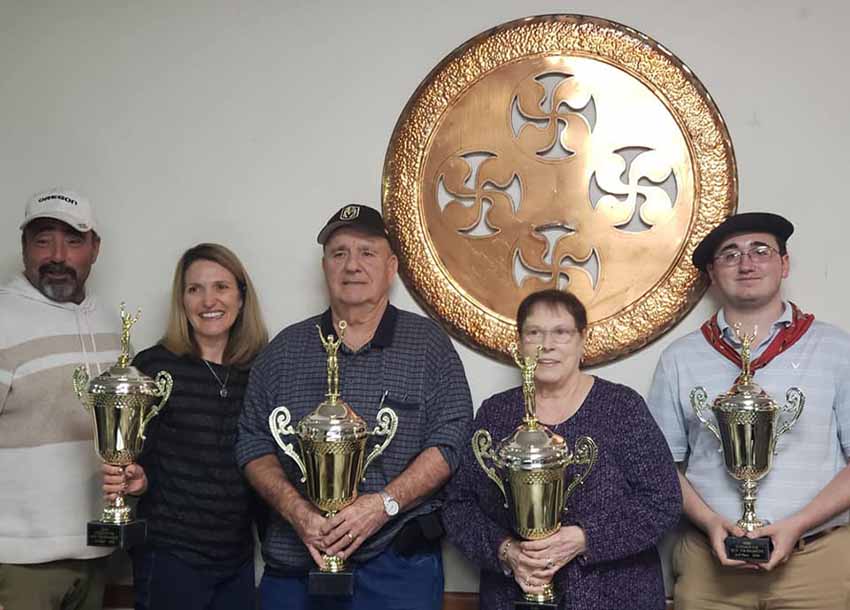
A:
(354, 215)
(749, 222)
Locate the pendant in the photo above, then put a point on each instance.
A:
(223, 392)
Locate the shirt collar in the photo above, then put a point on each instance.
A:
(728, 332)
(383, 334)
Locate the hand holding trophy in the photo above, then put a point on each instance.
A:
(530, 468)
(748, 427)
(332, 441)
(122, 402)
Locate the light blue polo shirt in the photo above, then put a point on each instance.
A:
(809, 455)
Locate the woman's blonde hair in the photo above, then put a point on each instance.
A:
(248, 335)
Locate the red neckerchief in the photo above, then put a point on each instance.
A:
(785, 338)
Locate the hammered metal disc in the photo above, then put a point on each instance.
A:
(558, 151)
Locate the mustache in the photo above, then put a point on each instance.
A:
(57, 268)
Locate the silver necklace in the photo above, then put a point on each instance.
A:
(223, 391)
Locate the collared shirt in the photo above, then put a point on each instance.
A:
(410, 363)
(808, 456)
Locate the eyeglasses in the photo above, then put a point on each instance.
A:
(758, 255)
(537, 336)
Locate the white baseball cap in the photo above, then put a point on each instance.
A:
(64, 205)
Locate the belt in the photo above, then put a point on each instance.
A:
(802, 542)
(421, 534)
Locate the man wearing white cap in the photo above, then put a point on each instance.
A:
(49, 472)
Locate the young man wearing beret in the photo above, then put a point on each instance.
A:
(806, 495)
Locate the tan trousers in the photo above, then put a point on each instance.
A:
(816, 577)
(70, 584)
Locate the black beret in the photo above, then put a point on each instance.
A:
(749, 222)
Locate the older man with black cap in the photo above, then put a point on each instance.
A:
(806, 495)
(391, 532)
(49, 472)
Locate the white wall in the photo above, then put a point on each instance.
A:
(249, 123)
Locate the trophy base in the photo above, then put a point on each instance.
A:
(753, 550)
(532, 605)
(326, 584)
(545, 600)
(123, 536)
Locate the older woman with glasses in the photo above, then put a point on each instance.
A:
(604, 555)
(199, 549)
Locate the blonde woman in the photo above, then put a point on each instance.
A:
(198, 554)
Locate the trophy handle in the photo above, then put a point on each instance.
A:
(585, 453)
(387, 426)
(81, 382)
(699, 398)
(482, 447)
(164, 383)
(279, 425)
(795, 400)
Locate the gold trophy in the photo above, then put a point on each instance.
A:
(122, 401)
(748, 426)
(332, 441)
(530, 468)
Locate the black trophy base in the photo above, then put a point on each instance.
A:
(752, 550)
(123, 536)
(529, 605)
(326, 584)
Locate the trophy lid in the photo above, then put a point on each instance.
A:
(123, 380)
(533, 449)
(332, 422)
(532, 446)
(745, 394)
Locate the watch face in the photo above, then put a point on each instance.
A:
(391, 506)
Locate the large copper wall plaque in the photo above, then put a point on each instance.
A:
(558, 151)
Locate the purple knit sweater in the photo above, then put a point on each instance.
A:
(629, 500)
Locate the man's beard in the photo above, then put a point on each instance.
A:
(56, 289)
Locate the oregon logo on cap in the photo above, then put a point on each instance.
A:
(349, 212)
(59, 197)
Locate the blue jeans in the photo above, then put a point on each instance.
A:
(164, 582)
(386, 582)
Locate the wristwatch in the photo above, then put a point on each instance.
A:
(390, 504)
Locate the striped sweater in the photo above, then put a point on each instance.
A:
(198, 506)
(49, 473)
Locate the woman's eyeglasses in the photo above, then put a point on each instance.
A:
(538, 335)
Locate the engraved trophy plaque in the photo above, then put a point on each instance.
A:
(748, 425)
(122, 401)
(332, 459)
(530, 468)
